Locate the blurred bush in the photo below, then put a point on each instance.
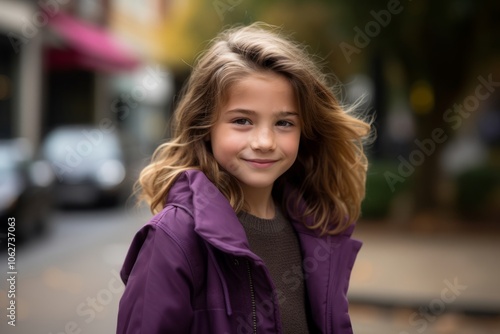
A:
(379, 195)
(478, 193)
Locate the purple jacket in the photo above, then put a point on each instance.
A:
(190, 270)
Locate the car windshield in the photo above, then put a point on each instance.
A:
(91, 144)
(7, 163)
(5, 159)
(8, 156)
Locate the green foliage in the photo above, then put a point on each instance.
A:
(477, 192)
(379, 195)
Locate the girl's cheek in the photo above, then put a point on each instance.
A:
(232, 167)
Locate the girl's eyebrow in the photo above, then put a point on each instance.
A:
(252, 112)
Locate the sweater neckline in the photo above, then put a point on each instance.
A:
(263, 225)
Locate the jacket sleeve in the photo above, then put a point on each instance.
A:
(158, 286)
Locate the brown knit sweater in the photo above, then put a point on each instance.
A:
(275, 242)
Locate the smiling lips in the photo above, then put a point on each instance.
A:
(260, 163)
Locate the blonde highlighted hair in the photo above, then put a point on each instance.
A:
(330, 171)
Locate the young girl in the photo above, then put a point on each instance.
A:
(255, 199)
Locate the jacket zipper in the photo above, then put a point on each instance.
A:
(254, 304)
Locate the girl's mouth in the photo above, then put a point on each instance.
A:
(260, 163)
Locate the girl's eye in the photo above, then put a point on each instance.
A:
(284, 123)
(242, 121)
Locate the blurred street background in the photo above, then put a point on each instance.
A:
(87, 88)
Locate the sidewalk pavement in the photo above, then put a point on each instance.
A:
(455, 270)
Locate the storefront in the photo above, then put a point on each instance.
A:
(54, 68)
(20, 71)
(80, 60)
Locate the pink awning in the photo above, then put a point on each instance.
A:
(88, 46)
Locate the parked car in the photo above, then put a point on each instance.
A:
(89, 164)
(25, 189)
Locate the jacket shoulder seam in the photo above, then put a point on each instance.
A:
(160, 224)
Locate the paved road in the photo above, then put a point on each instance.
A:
(67, 282)
(440, 282)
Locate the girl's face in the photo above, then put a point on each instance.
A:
(256, 136)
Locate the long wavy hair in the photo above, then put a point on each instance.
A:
(330, 171)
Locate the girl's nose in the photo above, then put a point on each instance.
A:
(263, 140)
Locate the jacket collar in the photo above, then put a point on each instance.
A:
(214, 218)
